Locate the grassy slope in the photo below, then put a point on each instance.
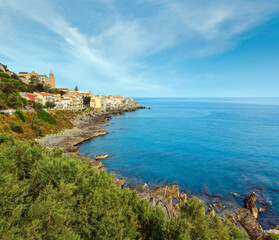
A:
(63, 118)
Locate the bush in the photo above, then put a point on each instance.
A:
(21, 115)
(46, 117)
(272, 236)
(48, 195)
(50, 104)
(36, 127)
(3, 104)
(16, 127)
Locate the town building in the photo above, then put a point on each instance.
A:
(26, 77)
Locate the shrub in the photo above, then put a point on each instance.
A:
(14, 76)
(16, 127)
(21, 115)
(46, 117)
(272, 236)
(3, 104)
(50, 104)
(36, 127)
(48, 195)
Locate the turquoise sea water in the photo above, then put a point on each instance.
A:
(217, 146)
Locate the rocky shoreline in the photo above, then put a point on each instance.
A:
(88, 126)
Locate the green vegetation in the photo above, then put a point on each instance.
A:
(90, 109)
(36, 127)
(10, 86)
(21, 115)
(79, 112)
(47, 195)
(50, 105)
(86, 101)
(46, 117)
(33, 126)
(272, 236)
(16, 127)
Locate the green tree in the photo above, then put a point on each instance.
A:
(76, 88)
(86, 101)
(50, 104)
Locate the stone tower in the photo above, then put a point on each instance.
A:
(51, 80)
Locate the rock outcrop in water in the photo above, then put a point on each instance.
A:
(247, 217)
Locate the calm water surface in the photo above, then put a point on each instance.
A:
(221, 145)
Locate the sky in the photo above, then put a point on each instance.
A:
(147, 48)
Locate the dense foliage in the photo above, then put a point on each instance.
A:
(86, 101)
(47, 195)
(50, 104)
(21, 115)
(10, 86)
(273, 236)
(46, 117)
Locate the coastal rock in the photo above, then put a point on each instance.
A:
(97, 164)
(230, 217)
(183, 197)
(261, 210)
(86, 127)
(101, 157)
(249, 223)
(158, 193)
(249, 203)
(236, 194)
(161, 197)
(119, 182)
(143, 191)
(176, 206)
(173, 192)
(212, 212)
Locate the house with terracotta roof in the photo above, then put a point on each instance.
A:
(29, 96)
(43, 98)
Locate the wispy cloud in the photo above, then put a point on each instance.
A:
(117, 54)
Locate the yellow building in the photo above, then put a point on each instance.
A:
(42, 78)
(95, 102)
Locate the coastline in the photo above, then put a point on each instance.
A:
(89, 126)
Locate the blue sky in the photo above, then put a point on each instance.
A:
(159, 48)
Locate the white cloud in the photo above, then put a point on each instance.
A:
(116, 54)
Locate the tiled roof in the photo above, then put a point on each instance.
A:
(43, 94)
(31, 96)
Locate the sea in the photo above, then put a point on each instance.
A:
(210, 147)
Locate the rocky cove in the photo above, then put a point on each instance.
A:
(89, 125)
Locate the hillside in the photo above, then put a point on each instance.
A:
(11, 85)
(45, 194)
